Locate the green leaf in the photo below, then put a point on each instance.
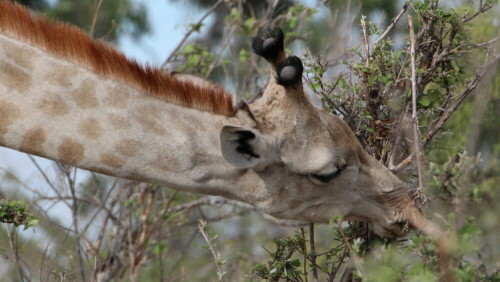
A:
(469, 229)
(295, 262)
(454, 64)
(244, 55)
(424, 101)
(188, 49)
(249, 25)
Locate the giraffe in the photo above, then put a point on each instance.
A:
(68, 98)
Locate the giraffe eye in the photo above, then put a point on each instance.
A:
(325, 178)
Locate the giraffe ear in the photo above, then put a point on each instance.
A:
(244, 147)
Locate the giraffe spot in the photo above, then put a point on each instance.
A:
(32, 142)
(137, 176)
(295, 204)
(9, 113)
(111, 160)
(85, 96)
(60, 75)
(118, 121)
(90, 128)
(283, 193)
(22, 57)
(128, 147)
(169, 163)
(70, 151)
(53, 105)
(148, 119)
(118, 97)
(13, 77)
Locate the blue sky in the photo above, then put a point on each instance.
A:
(169, 22)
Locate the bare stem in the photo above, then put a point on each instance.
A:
(416, 135)
(304, 251)
(94, 19)
(202, 226)
(365, 41)
(313, 252)
(393, 23)
(11, 234)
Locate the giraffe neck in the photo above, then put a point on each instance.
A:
(61, 111)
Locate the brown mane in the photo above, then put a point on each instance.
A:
(71, 43)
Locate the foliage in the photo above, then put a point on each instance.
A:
(283, 266)
(17, 213)
(196, 59)
(119, 229)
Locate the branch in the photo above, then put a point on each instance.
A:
(403, 164)
(365, 41)
(446, 114)
(313, 252)
(461, 98)
(367, 59)
(193, 28)
(486, 44)
(416, 141)
(218, 201)
(216, 62)
(11, 235)
(94, 19)
(482, 9)
(393, 23)
(202, 227)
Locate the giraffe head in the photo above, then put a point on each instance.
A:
(311, 163)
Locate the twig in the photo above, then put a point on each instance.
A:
(131, 250)
(365, 41)
(354, 260)
(216, 62)
(202, 226)
(393, 23)
(74, 209)
(461, 98)
(304, 252)
(485, 44)
(336, 267)
(367, 60)
(313, 252)
(481, 9)
(448, 111)
(13, 249)
(416, 141)
(92, 26)
(218, 201)
(403, 164)
(194, 27)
